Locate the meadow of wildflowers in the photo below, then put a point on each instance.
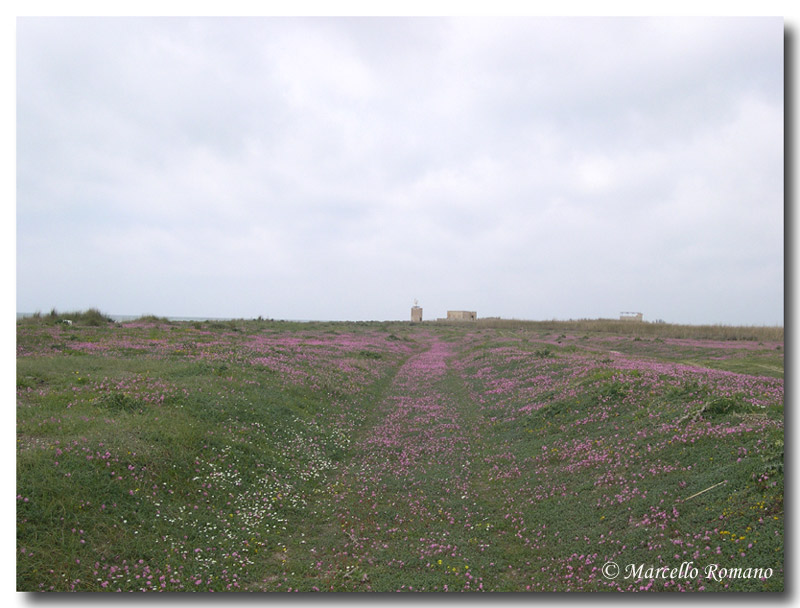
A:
(268, 456)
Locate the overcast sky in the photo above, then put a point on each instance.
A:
(339, 168)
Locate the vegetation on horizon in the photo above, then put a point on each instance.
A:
(644, 329)
(92, 317)
(611, 326)
(273, 456)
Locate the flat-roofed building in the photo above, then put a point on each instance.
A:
(461, 315)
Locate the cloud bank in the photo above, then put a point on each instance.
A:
(338, 168)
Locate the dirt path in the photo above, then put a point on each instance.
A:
(402, 513)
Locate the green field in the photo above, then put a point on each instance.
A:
(508, 456)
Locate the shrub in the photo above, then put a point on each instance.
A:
(92, 317)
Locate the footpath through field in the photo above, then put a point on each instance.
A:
(402, 514)
(502, 465)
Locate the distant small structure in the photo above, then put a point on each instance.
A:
(631, 316)
(461, 315)
(416, 313)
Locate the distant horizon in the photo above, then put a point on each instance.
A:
(189, 318)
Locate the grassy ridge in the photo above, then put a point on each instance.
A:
(193, 452)
(270, 456)
(602, 458)
(642, 329)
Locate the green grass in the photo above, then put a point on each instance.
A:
(641, 330)
(269, 456)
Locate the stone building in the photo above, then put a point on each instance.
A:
(630, 316)
(461, 315)
(416, 314)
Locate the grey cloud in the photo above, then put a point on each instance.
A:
(330, 167)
